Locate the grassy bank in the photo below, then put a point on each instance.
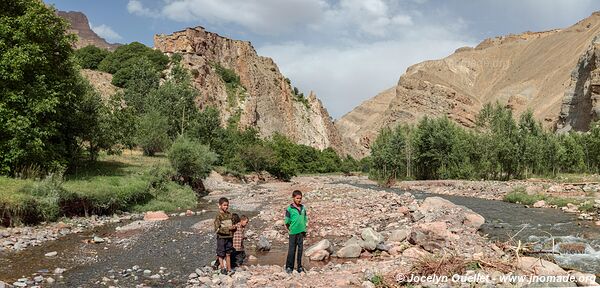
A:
(128, 182)
(520, 196)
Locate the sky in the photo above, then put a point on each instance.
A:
(346, 51)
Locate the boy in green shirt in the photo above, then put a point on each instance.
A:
(295, 221)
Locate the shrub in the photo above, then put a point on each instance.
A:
(89, 57)
(152, 134)
(190, 159)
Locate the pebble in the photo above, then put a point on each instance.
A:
(147, 272)
(59, 270)
(51, 254)
(50, 280)
(155, 276)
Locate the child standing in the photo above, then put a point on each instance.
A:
(295, 222)
(224, 228)
(239, 255)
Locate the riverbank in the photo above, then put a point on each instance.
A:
(418, 238)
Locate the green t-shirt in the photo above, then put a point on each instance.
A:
(296, 218)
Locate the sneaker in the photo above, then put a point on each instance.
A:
(300, 270)
(288, 270)
(224, 271)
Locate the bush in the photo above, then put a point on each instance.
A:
(89, 57)
(119, 58)
(190, 159)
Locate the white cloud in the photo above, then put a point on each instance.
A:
(343, 77)
(106, 32)
(137, 8)
(267, 17)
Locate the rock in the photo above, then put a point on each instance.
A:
(206, 225)
(155, 216)
(367, 284)
(435, 204)
(59, 271)
(415, 253)
(539, 204)
(38, 278)
(353, 241)
(350, 251)
(416, 216)
(416, 237)
(404, 210)
(571, 248)
(50, 280)
(193, 275)
(155, 277)
(98, 239)
(370, 235)
(383, 247)
(51, 254)
(539, 266)
(321, 245)
(147, 272)
(189, 213)
(570, 208)
(204, 280)
(398, 235)
(584, 279)
(473, 220)
(252, 258)
(368, 245)
(319, 255)
(20, 284)
(263, 244)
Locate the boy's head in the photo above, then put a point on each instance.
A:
(297, 197)
(235, 218)
(223, 204)
(243, 220)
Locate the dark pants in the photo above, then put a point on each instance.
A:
(238, 258)
(296, 244)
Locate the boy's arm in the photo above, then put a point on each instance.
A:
(286, 220)
(217, 224)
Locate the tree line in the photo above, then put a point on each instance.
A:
(52, 118)
(498, 148)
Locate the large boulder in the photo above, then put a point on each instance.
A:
(353, 241)
(435, 203)
(263, 244)
(319, 255)
(473, 220)
(319, 246)
(539, 266)
(370, 235)
(350, 251)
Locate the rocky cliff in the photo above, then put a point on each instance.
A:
(80, 26)
(262, 99)
(553, 73)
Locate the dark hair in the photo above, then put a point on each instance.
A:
(235, 218)
(223, 200)
(296, 193)
(243, 217)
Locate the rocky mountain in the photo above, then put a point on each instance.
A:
(80, 26)
(249, 89)
(554, 73)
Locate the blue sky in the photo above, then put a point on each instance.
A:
(346, 51)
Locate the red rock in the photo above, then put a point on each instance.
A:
(155, 216)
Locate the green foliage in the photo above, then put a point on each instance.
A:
(190, 159)
(123, 56)
(41, 89)
(235, 90)
(152, 133)
(258, 157)
(89, 57)
(498, 148)
(140, 75)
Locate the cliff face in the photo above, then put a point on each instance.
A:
(264, 100)
(547, 72)
(80, 26)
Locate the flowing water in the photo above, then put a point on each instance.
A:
(546, 228)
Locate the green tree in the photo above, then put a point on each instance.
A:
(123, 55)
(258, 158)
(41, 89)
(89, 57)
(152, 133)
(191, 160)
